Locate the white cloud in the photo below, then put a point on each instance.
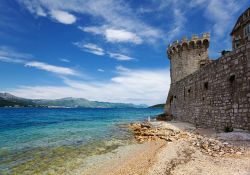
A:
(220, 18)
(34, 7)
(95, 49)
(51, 68)
(220, 13)
(133, 86)
(93, 29)
(65, 60)
(63, 17)
(116, 14)
(11, 56)
(155, 6)
(90, 47)
(41, 12)
(120, 57)
(113, 35)
(179, 23)
(10, 60)
(100, 70)
(122, 69)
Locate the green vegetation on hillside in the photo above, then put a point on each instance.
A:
(8, 103)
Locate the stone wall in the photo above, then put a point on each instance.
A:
(217, 95)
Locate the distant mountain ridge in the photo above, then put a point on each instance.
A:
(9, 100)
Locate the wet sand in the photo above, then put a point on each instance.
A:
(131, 159)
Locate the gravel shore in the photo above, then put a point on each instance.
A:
(175, 148)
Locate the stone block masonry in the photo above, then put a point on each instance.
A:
(217, 95)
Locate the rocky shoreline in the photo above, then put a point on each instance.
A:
(147, 132)
(175, 148)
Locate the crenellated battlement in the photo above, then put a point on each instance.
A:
(188, 56)
(185, 44)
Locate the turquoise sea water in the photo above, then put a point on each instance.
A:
(56, 141)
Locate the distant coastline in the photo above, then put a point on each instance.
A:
(157, 106)
(10, 101)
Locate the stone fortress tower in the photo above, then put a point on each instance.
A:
(211, 93)
(188, 56)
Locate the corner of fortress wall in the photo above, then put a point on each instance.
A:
(216, 95)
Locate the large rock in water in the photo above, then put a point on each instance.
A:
(164, 117)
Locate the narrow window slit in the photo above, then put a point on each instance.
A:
(232, 78)
(206, 85)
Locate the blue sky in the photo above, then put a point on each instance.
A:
(106, 50)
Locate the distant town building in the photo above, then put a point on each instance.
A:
(241, 31)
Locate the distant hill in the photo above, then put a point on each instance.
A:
(7, 99)
(157, 106)
(4, 103)
(84, 103)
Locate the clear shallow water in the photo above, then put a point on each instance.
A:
(55, 141)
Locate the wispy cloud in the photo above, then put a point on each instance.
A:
(221, 16)
(116, 14)
(120, 57)
(136, 86)
(63, 16)
(122, 69)
(51, 68)
(65, 60)
(90, 47)
(93, 29)
(100, 70)
(220, 13)
(113, 35)
(179, 23)
(9, 59)
(95, 49)
(11, 56)
(38, 8)
(34, 7)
